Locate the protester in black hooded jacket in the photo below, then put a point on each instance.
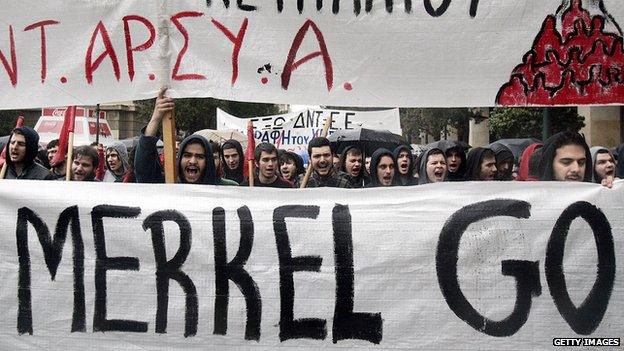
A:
(291, 165)
(405, 164)
(575, 165)
(236, 174)
(195, 162)
(480, 165)
(355, 169)
(620, 162)
(452, 153)
(21, 154)
(504, 161)
(375, 168)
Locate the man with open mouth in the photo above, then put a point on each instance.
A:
(432, 167)
(405, 166)
(323, 172)
(21, 151)
(267, 163)
(85, 161)
(352, 163)
(604, 163)
(382, 168)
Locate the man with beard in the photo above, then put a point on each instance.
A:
(604, 163)
(405, 166)
(352, 164)
(195, 164)
(59, 169)
(566, 157)
(291, 166)
(455, 162)
(116, 162)
(233, 160)
(267, 163)
(84, 163)
(432, 167)
(21, 151)
(323, 171)
(504, 161)
(383, 168)
(480, 165)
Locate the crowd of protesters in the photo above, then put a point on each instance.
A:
(563, 157)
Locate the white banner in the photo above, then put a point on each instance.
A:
(293, 131)
(390, 53)
(506, 266)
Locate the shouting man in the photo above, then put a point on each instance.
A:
(323, 171)
(21, 151)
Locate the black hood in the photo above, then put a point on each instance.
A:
(32, 145)
(395, 157)
(473, 163)
(210, 173)
(502, 154)
(459, 175)
(298, 162)
(377, 155)
(235, 174)
(343, 157)
(549, 150)
(422, 169)
(620, 158)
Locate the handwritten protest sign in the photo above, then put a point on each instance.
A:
(293, 131)
(441, 266)
(338, 53)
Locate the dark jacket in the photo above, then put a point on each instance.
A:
(503, 154)
(460, 174)
(473, 163)
(31, 169)
(422, 169)
(399, 178)
(375, 159)
(147, 168)
(550, 150)
(363, 179)
(233, 174)
(619, 171)
(278, 183)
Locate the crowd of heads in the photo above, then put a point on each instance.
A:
(563, 157)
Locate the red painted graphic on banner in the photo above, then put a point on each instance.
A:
(581, 64)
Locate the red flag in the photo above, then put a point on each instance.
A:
(68, 126)
(101, 170)
(18, 124)
(251, 146)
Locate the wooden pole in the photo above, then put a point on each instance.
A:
(250, 168)
(306, 177)
(4, 169)
(169, 139)
(70, 155)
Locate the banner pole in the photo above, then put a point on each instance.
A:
(70, 156)
(308, 172)
(3, 170)
(169, 133)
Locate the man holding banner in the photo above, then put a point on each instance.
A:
(323, 172)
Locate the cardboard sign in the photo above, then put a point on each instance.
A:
(488, 266)
(390, 53)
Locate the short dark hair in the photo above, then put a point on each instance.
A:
(266, 147)
(52, 143)
(317, 142)
(435, 152)
(87, 151)
(354, 151)
(215, 147)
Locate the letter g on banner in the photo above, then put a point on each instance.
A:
(525, 272)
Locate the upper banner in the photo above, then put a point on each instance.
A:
(293, 131)
(507, 266)
(392, 53)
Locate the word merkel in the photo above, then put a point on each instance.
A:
(358, 6)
